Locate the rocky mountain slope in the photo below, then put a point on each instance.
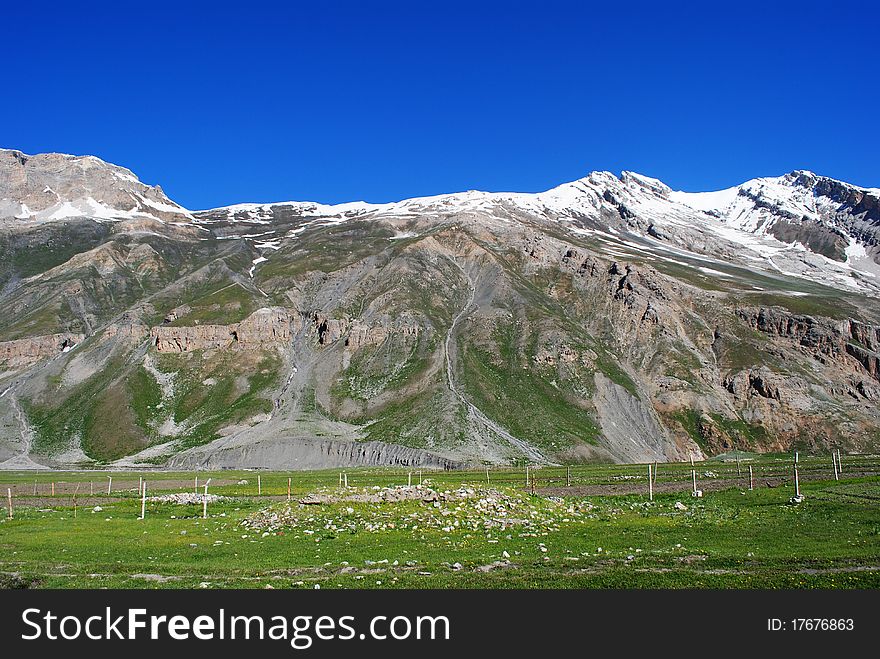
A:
(607, 319)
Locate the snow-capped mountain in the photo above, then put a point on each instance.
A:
(799, 225)
(55, 186)
(609, 318)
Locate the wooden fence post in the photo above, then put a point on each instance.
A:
(75, 492)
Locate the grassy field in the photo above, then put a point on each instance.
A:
(592, 527)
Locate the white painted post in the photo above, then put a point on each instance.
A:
(409, 479)
(259, 486)
(340, 479)
(527, 475)
(839, 462)
(205, 503)
(91, 488)
(345, 479)
(196, 486)
(796, 457)
(487, 475)
(109, 485)
(53, 488)
(568, 477)
(834, 463)
(737, 463)
(650, 484)
(288, 490)
(694, 476)
(140, 484)
(143, 499)
(692, 461)
(751, 479)
(797, 484)
(9, 501)
(420, 476)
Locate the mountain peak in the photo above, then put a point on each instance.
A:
(57, 186)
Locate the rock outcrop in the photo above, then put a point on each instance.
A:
(761, 382)
(264, 327)
(826, 340)
(22, 353)
(362, 334)
(128, 328)
(188, 339)
(329, 329)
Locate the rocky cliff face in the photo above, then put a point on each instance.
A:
(607, 319)
(362, 334)
(26, 352)
(850, 343)
(263, 328)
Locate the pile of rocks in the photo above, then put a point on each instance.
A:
(378, 509)
(184, 498)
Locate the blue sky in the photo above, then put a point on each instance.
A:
(338, 101)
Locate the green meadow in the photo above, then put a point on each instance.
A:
(589, 526)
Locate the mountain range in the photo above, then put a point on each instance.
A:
(607, 319)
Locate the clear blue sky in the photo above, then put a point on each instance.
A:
(337, 101)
